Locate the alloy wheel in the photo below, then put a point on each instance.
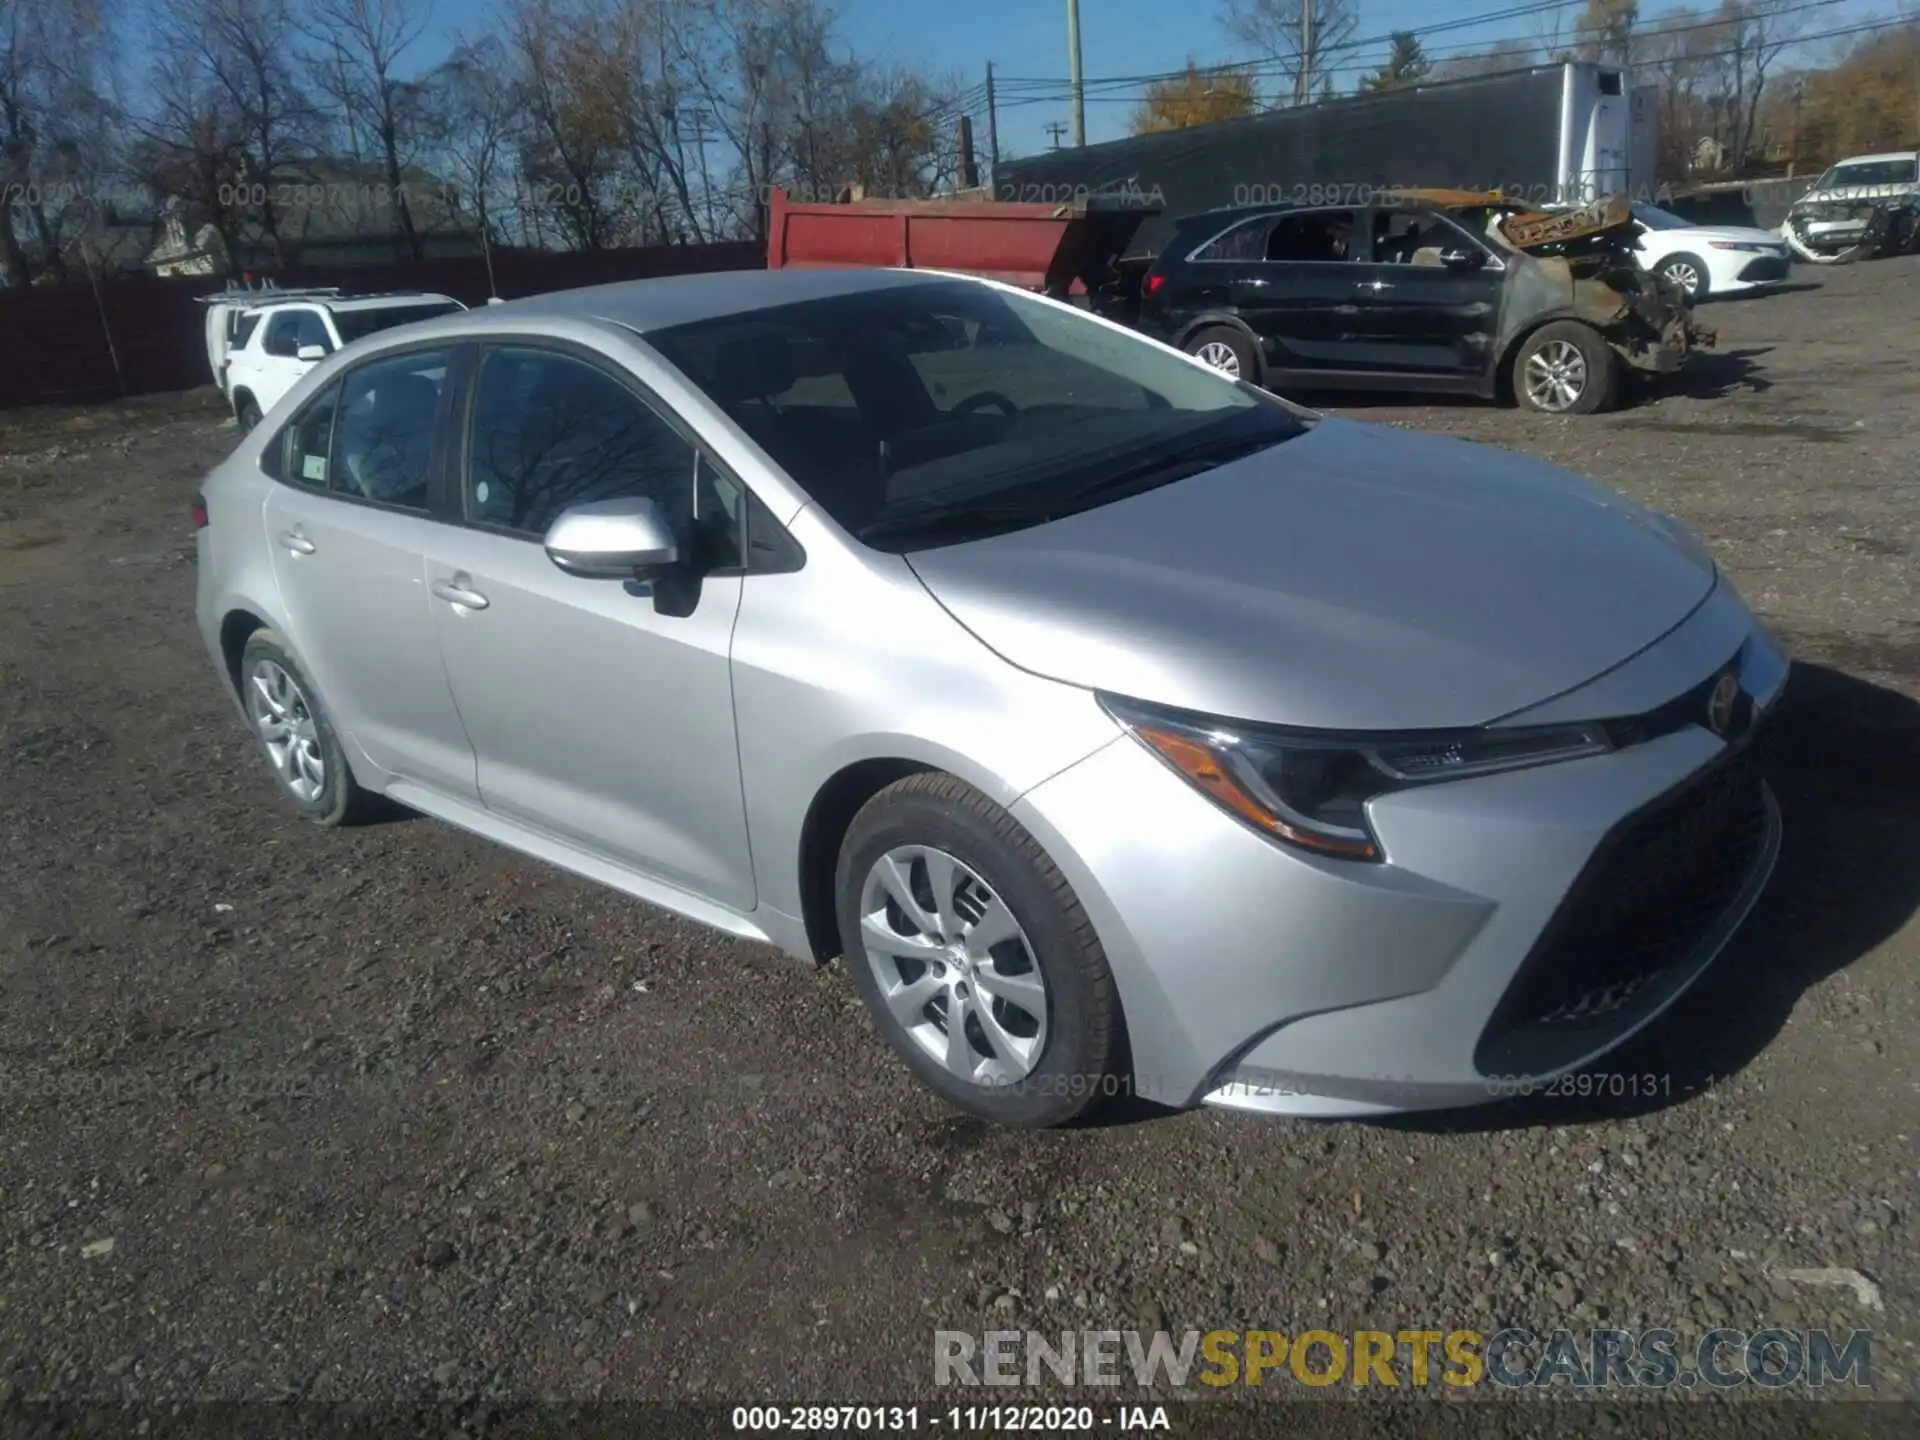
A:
(1556, 375)
(1221, 356)
(284, 719)
(1685, 276)
(954, 967)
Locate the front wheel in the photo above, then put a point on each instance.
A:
(1689, 272)
(248, 414)
(1565, 368)
(974, 957)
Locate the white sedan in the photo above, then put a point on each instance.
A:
(1708, 259)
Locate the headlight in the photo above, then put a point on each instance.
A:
(1311, 789)
(1743, 245)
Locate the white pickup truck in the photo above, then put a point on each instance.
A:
(271, 344)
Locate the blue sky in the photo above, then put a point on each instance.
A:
(1027, 38)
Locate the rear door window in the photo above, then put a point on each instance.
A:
(383, 435)
(300, 456)
(1245, 241)
(1312, 236)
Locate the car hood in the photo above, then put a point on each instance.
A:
(1706, 234)
(1357, 577)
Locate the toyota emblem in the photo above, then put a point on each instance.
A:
(1726, 690)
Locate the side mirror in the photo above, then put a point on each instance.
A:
(612, 540)
(311, 352)
(1463, 257)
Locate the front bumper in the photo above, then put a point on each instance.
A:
(1258, 978)
(1765, 269)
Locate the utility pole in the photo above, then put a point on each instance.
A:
(1073, 73)
(993, 127)
(1055, 129)
(969, 176)
(699, 119)
(1303, 77)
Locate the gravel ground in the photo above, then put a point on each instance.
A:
(394, 1115)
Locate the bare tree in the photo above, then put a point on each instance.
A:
(571, 150)
(1509, 54)
(233, 63)
(56, 130)
(1302, 37)
(476, 131)
(1605, 31)
(361, 47)
(1747, 39)
(1676, 47)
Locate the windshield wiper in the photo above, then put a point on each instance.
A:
(1165, 469)
(986, 516)
(962, 515)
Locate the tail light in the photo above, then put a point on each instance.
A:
(1152, 284)
(199, 511)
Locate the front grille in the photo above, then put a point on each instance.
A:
(1648, 898)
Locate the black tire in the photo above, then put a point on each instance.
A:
(1246, 355)
(339, 799)
(247, 412)
(1703, 285)
(1082, 1057)
(1600, 384)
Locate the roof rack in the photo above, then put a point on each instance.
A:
(264, 292)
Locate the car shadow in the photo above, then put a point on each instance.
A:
(1748, 297)
(1712, 375)
(1843, 757)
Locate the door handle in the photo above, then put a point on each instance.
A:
(1256, 284)
(296, 542)
(1374, 285)
(454, 592)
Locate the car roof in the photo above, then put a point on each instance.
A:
(309, 301)
(658, 304)
(1883, 155)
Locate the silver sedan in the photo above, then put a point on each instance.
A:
(1125, 728)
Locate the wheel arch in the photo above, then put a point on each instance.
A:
(237, 627)
(824, 829)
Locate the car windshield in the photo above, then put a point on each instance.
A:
(358, 324)
(949, 409)
(1654, 218)
(1870, 172)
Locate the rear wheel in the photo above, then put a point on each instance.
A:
(1228, 350)
(974, 957)
(1689, 272)
(1565, 368)
(295, 735)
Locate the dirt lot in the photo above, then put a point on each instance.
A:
(393, 1114)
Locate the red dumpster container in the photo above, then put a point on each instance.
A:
(1062, 250)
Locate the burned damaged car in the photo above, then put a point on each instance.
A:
(1860, 209)
(1424, 290)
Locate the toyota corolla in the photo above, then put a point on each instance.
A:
(1123, 727)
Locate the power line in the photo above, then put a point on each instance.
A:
(1276, 68)
(1488, 47)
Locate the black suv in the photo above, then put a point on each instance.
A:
(1420, 294)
